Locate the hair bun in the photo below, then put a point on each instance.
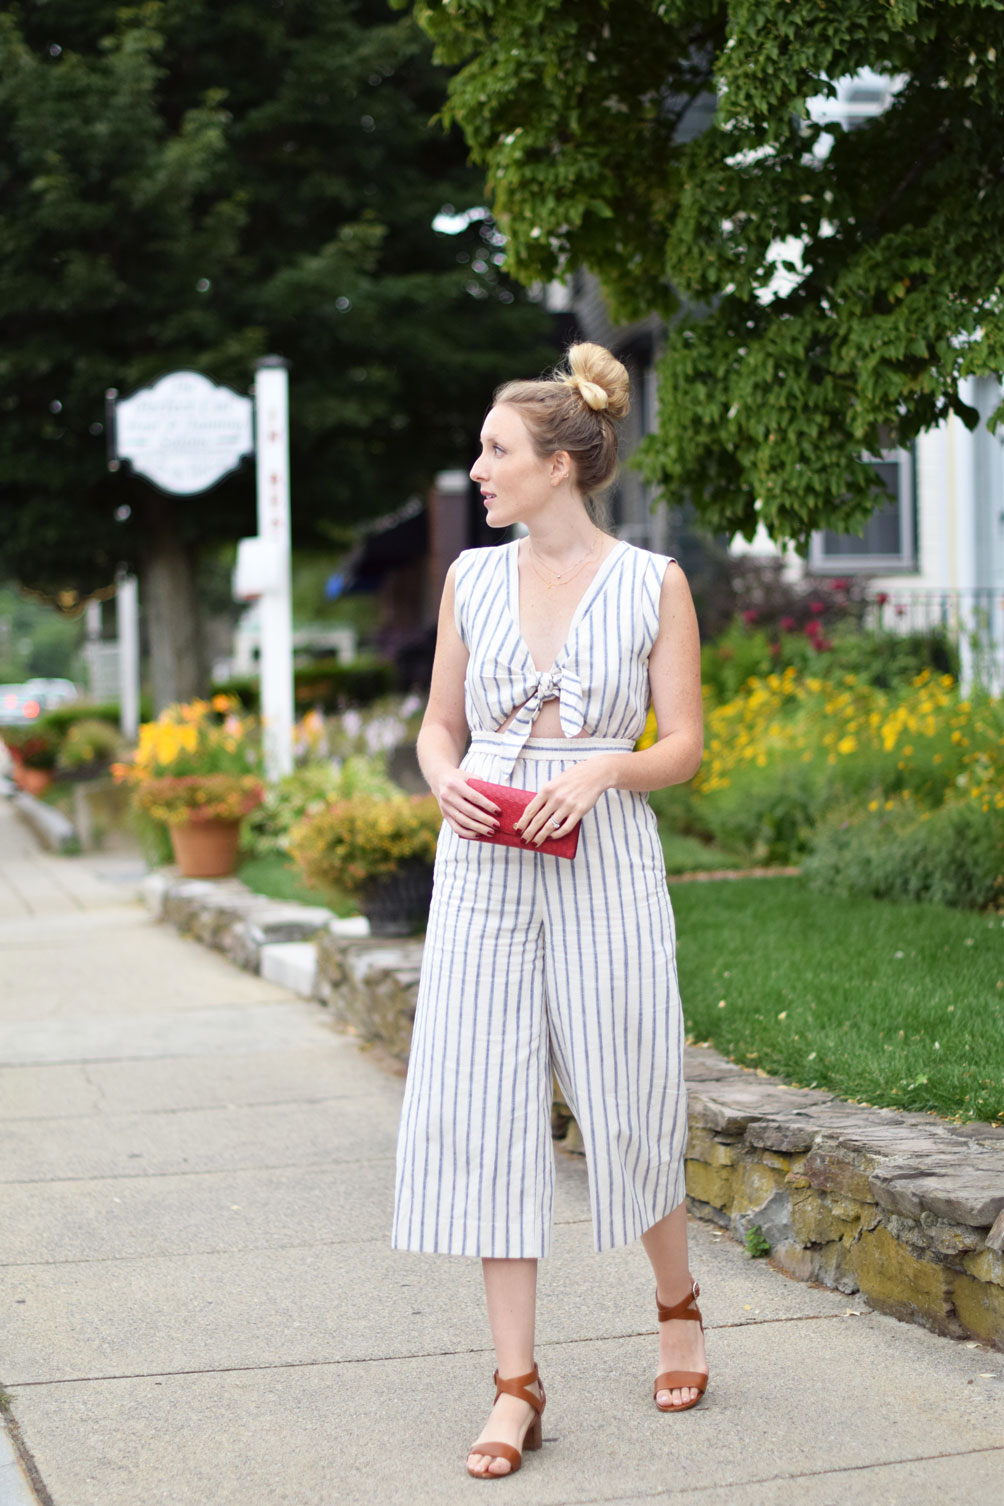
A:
(592, 394)
(599, 378)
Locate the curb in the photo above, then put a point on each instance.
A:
(55, 831)
(904, 1208)
(15, 1489)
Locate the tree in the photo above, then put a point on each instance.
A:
(193, 185)
(889, 235)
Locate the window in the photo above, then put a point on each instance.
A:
(888, 541)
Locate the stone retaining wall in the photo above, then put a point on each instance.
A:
(906, 1209)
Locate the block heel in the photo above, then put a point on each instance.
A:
(533, 1436)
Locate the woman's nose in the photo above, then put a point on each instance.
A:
(477, 471)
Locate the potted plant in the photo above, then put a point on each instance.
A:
(33, 756)
(377, 849)
(88, 748)
(196, 770)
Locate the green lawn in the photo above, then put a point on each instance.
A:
(279, 878)
(894, 1005)
(685, 854)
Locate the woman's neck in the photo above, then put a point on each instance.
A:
(561, 539)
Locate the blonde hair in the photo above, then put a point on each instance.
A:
(576, 410)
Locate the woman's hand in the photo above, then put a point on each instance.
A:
(465, 810)
(562, 801)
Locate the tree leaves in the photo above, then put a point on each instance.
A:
(773, 387)
(188, 184)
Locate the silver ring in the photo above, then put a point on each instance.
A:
(555, 820)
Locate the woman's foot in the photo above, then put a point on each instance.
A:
(509, 1423)
(681, 1347)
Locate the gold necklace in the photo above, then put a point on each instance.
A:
(563, 577)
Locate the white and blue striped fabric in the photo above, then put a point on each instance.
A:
(534, 963)
(601, 673)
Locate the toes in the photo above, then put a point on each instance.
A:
(487, 1464)
(677, 1398)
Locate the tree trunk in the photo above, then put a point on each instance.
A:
(178, 666)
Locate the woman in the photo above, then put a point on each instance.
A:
(548, 653)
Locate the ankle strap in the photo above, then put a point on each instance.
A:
(686, 1308)
(517, 1386)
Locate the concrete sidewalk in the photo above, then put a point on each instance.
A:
(199, 1305)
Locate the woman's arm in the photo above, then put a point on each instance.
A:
(674, 669)
(675, 680)
(443, 734)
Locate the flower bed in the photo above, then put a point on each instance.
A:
(791, 756)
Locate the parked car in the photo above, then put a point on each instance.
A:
(51, 692)
(17, 706)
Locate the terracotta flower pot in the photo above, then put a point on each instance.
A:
(33, 781)
(206, 849)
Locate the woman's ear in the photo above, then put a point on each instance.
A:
(561, 467)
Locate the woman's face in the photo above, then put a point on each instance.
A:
(515, 481)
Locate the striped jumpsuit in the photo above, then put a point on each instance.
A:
(534, 962)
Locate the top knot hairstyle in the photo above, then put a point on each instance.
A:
(575, 410)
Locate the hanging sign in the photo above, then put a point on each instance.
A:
(185, 433)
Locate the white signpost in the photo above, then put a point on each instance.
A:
(271, 403)
(184, 434)
(127, 624)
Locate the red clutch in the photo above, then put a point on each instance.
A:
(513, 803)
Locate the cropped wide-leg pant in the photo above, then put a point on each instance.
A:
(534, 962)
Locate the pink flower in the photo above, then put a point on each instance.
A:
(817, 607)
(787, 624)
(882, 598)
(841, 585)
(749, 616)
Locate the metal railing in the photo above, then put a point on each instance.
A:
(973, 620)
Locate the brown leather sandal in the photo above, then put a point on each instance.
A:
(675, 1380)
(532, 1438)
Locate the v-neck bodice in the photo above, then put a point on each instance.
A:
(581, 605)
(600, 674)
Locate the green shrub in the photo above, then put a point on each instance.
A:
(307, 791)
(88, 741)
(153, 837)
(953, 855)
(876, 658)
(771, 817)
(61, 718)
(329, 684)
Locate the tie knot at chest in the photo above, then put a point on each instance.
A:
(548, 684)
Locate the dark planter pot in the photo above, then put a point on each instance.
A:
(397, 904)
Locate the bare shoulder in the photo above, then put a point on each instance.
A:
(675, 595)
